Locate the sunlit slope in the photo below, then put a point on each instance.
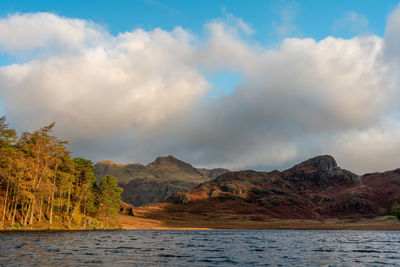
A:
(156, 181)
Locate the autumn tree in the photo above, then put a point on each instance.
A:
(44, 153)
(41, 184)
(7, 151)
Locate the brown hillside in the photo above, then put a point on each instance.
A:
(156, 181)
(315, 188)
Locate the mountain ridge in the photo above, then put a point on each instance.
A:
(314, 188)
(156, 181)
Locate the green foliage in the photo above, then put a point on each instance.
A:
(7, 136)
(87, 187)
(110, 196)
(94, 224)
(93, 203)
(396, 212)
(17, 225)
(84, 170)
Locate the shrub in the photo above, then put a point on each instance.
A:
(396, 212)
(17, 225)
(130, 212)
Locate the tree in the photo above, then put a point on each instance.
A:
(7, 151)
(86, 187)
(110, 196)
(396, 212)
(43, 155)
(40, 184)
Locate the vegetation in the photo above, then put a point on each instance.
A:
(41, 186)
(396, 212)
(110, 196)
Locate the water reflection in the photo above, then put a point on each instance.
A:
(200, 248)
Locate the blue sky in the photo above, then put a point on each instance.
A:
(309, 18)
(312, 18)
(241, 84)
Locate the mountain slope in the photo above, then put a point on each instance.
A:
(315, 188)
(156, 181)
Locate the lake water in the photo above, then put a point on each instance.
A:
(200, 248)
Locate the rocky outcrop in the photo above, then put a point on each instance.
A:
(321, 171)
(179, 198)
(126, 209)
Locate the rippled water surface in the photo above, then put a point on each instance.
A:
(200, 248)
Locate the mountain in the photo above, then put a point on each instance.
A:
(156, 181)
(315, 188)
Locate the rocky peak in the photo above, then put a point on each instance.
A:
(168, 161)
(325, 162)
(106, 162)
(322, 171)
(322, 163)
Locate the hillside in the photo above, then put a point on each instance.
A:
(314, 189)
(156, 181)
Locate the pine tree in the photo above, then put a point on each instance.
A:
(110, 196)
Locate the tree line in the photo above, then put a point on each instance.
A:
(41, 185)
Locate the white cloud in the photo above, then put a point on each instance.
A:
(136, 79)
(141, 94)
(286, 26)
(27, 32)
(235, 23)
(392, 38)
(372, 149)
(352, 22)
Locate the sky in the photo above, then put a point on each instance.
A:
(234, 84)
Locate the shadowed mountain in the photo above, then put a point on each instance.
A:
(315, 188)
(156, 181)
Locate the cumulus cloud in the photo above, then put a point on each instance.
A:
(392, 38)
(141, 94)
(27, 32)
(373, 149)
(135, 79)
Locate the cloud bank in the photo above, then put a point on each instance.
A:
(140, 94)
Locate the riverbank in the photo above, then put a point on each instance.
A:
(155, 217)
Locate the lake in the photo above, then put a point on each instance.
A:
(200, 248)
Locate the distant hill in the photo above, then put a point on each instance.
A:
(156, 181)
(315, 188)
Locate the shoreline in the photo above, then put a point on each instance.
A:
(125, 222)
(383, 223)
(339, 228)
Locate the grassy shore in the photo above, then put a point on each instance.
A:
(160, 216)
(155, 217)
(45, 227)
(242, 223)
(379, 223)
